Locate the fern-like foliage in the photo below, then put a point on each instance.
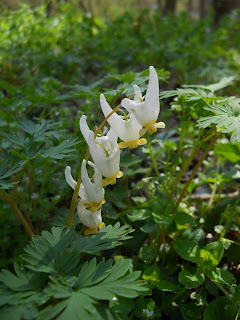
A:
(57, 252)
(51, 252)
(6, 171)
(40, 140)
(95, 282)
(226, 116)
(107, 238)
(57, 285)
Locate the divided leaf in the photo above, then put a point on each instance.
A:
(227, 116)
(108, 237)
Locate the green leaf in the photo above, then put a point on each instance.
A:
(23, 280)
(50, 252)
(95, 282)
(183, 218)
(139, 214)
(163, 220)
(165, 285)
(61, 151)
(152, 274)
(217, 250)
(220, 308)
(147, 254)
(108, 281)
(39, 131)
(190, 280)
(108, 237)
(187, 250)
(227, 116)
(222, 276)
(228, 151)
(156, 279)
(235, 294)
(190, 311)
(223, 83)
(121, 306)
(6, 171)
(192, 233)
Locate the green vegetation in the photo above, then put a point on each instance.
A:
(169, 248)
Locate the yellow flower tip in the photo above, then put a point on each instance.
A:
(132, 144)
(94, 206)
(112, 180)
(160, 125)
(101, 225)
(89, 231)
(119, 174)
(153, 126)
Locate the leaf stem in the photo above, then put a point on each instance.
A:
(204, 156)
(153, 159)
(18, 212)
(183, 170)
(187, 164)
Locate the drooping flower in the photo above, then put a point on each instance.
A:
(94, 190)
(146, 110)
(92, 193)
(104, 151)
(91, 220)
(91, 198)
(127, 130)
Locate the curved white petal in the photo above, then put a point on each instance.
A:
(69, 178)
(148, 110)
(84, 127)
(89, 219)
(126, 130)
(104, 151)
(72, 183)
(138, 94)
(94, 191)
(112, 135)
(97, 174)
(152, 95)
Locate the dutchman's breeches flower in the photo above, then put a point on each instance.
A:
(91, 220)
(94, 190)
(104, 151)
(127, 130)
(91, 192)
(92, 197)
(146, 111)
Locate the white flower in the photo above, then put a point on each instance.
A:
(92, 193)
(104, 151)
(72, 183)
(148, 312)
(92, 220)
(127, 130)
(146, 111)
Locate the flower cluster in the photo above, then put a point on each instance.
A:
(105, 150)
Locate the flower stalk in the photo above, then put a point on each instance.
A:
(204, 156)
(19, 214)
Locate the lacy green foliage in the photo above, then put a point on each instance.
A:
(6, 171)
(227, 116)
(57, 283)
(226, 110)
(108, 237)
(41, 61)
(40, 140)
(58, 252)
